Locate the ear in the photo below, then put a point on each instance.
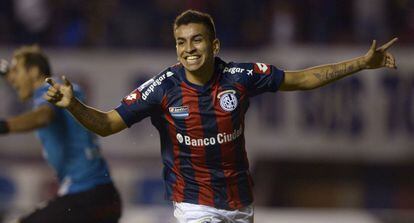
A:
(34, 73)
(216, 46)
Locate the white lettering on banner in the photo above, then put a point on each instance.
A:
(210, 141)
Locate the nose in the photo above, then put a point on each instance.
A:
(189, 47)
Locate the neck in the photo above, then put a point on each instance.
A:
(201, 76)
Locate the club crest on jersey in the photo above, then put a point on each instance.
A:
(261, 68)
(132, 97)
(228, 100)
(179, 112)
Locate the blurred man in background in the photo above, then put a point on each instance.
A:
(86, 193)
(198, 107)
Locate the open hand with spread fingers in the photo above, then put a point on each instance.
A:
(379, 57)
(60, 95)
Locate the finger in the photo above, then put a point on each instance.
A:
(53, 94)
(52, 90)
(373, 45)
(387, 45)
(390, 64)
(66, 81)
(391, 60)
(46, 97)
(50, 81)
(49, 98)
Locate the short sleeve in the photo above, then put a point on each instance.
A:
(263, 78)
(141, 102)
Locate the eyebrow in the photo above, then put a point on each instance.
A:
(195, 36)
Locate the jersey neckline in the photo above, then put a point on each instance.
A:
(209, 84)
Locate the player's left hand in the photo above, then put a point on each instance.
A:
(379, 57)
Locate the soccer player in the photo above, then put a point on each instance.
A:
(198, 107)
(86, 193)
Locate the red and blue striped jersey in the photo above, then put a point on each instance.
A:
(202, 129)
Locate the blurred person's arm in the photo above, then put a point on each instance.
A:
(28, 121)
(318, 76)
(99, 122)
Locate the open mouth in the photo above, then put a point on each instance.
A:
(192, 59)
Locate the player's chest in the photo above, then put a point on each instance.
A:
(222, 101)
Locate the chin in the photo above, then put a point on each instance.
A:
(24, 97)
(192, 68)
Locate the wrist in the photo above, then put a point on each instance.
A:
(72, 103)
(361, 63)
(4, 127)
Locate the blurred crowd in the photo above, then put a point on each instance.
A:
(240, 23)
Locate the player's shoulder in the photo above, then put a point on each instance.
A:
(159, 83)
(245, 68)
(164, 79)
(235, 70)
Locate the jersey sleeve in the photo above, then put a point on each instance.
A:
(259, 78)
(141, 102)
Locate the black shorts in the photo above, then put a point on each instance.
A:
(101, 204)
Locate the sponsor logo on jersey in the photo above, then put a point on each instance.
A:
(179, 112)
(228, 100)
(233, 70)
(132, 97)
(220, 138)
(261, 68)
(145, 84)
(152, 83)
(169, 73)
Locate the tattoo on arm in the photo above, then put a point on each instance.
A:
(334, 72)
(91, 120)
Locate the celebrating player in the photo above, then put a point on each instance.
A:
(86, 192)
(198, 107)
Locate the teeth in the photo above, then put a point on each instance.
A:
(192, 57)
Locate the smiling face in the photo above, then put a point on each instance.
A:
(21, 78)
(195, 48)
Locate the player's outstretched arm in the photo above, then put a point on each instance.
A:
(102, 123)
(318, 76)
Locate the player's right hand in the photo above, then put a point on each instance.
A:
(60, 95)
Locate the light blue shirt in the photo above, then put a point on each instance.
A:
(70, 149)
